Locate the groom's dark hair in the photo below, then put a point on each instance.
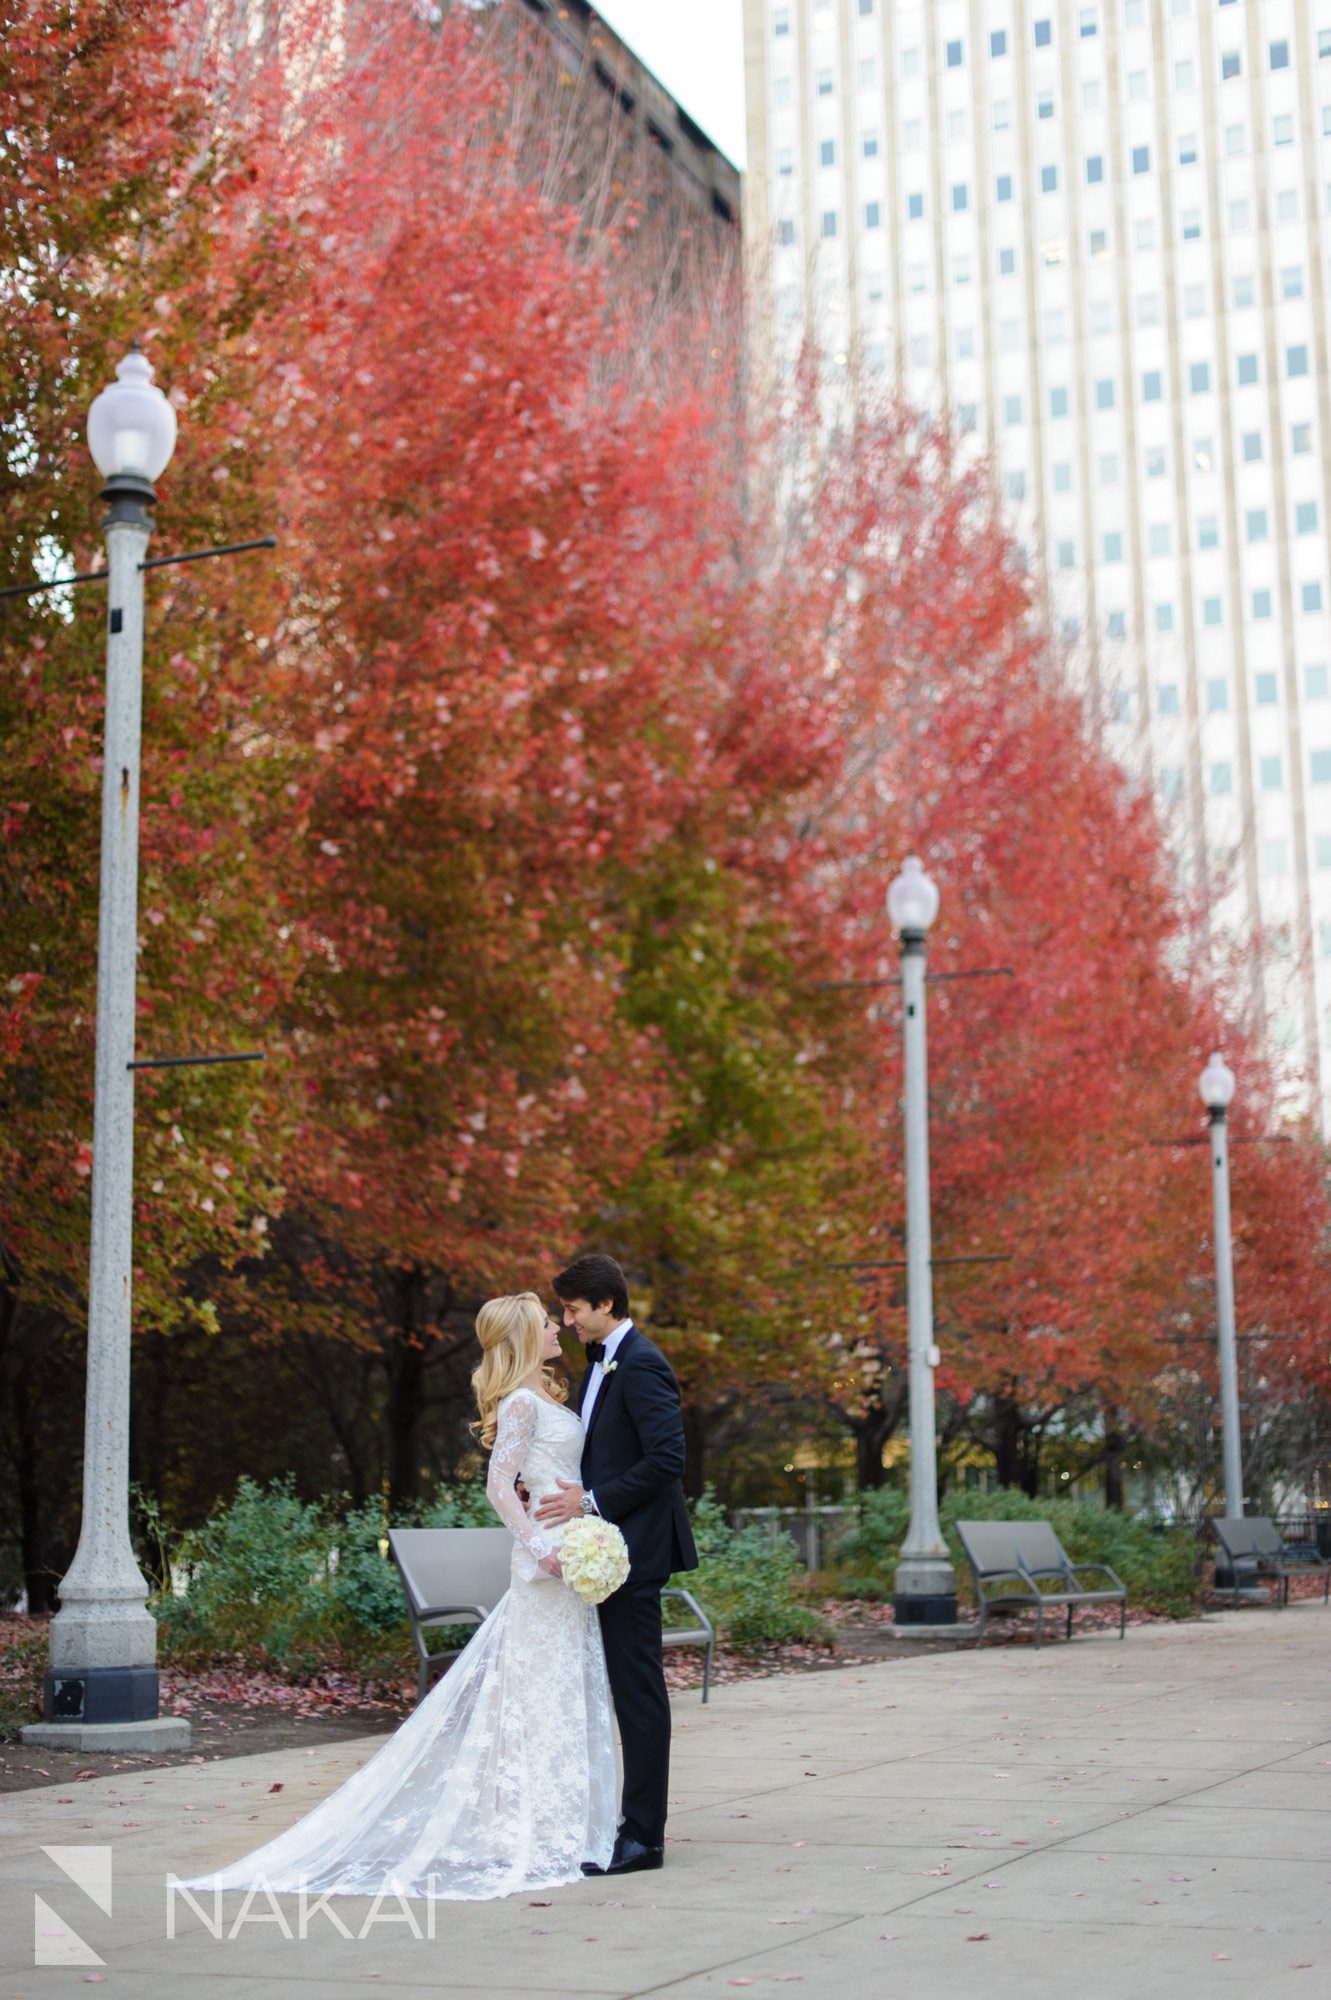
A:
(594, 1278)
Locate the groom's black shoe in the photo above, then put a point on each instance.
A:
(630, 1855)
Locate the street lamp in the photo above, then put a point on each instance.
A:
(925, 1588)
(1216, 1085)
(101, 1687)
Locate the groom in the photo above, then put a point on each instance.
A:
(632, 1457)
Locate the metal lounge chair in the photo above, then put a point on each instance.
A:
(455, 1576)
(1255, 1547)
(1022, 1566)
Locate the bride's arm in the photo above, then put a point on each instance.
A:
(517, 1428)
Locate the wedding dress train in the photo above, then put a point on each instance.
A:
(503, 1778)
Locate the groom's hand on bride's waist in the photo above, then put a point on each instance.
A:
(566, 1505)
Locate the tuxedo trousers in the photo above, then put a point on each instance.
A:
(631, 1635)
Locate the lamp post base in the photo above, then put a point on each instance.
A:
(87, 1695)
(162, 1732)
(925, 1591)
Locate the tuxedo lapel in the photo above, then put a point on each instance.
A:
(621, 1355)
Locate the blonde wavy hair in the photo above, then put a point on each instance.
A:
(511, 1331)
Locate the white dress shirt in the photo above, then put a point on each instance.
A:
(611, 1342)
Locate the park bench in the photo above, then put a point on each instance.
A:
(456, 1576)
(1255, 1547)
(1022, 1565)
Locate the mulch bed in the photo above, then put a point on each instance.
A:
(235, 1711)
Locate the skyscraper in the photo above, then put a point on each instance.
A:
(1095, 236)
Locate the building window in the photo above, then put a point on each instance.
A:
(866, 9)
(1191, 220)
(1301, 439)
(1087, 23)
(1007, 262)
(781, 21)
(914, 207)
(1212, 611)
(1222, 780)
(1296, 360)
(1280, 55)
(1208, 532)
(1012, 409)
(1009, 335)
(1243, 291)
(1272, 773)
(785, 234)
(967, 417)
(998, 42)
(1252, 447)
(1185, 76)
(1261, 608)
(1275, 858)
(1116, 627)
(824, 81)
(1199, 377)
(1044, 104)
(827, 153)
(1158, 540)
(1282, 130)
(1044, 34)
(873, 215)
(1003, 188)
(1247, 369)
(1324, 850)
(1194, 301)
(1291, 281)
(1240, 216)
(1099, 241)
(954, 55)
(1108, 468)
(1217, 696)
(1187, 149)
(1058, 402)
(1002, 114)
(1312, 596)
(1113, 547)
(868, 73)
(1230, 64)
(1315, 684)
(1104, 394)
(1266, 690)
(1016, 486)
(1091, 95)
(785, 93)
(1171, 783)
(1236, 139)
(917, 278)
(785, 162)
(1155, 461)
(1141, 159)
(1319, 767)
(960, 198)
(1148, 309)
(829, 222)
(1167, 698)
(1048, 179)
(1305, 517)
(1063, 477)
(910, 63)
(1139, 86)
(1134, 13)
(1067, 555)
(1287, 205)
(1164, 617)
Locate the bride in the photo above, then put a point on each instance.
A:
(503, 1778)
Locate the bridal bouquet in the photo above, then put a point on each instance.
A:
(593, 1557)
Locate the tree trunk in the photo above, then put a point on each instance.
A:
(1015, 1447)
(405, 1363)
(1115, 1445)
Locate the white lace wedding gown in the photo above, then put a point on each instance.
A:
(503, 1778)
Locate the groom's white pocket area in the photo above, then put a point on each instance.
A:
(594, 1558)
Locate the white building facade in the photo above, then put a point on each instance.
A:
(1096, 237)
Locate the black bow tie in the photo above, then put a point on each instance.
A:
(595, 1351)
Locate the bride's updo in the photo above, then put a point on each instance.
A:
(511, 1332)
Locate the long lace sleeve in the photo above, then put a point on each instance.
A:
(513, 1440)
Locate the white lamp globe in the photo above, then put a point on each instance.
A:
(131, 425)
(912, 900)
(1216, 1084)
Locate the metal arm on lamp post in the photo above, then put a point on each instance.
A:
(101, 1687)
(925, 1586)
(1216, 1086)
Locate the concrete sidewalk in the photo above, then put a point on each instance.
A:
(1150, 1818)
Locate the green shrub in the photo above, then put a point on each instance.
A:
(1159, 1566)
(748, 1584)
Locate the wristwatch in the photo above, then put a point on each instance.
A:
(588, 1504)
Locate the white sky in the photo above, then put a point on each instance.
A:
(696, 48)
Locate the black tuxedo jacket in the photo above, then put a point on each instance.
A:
(633, 1455)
